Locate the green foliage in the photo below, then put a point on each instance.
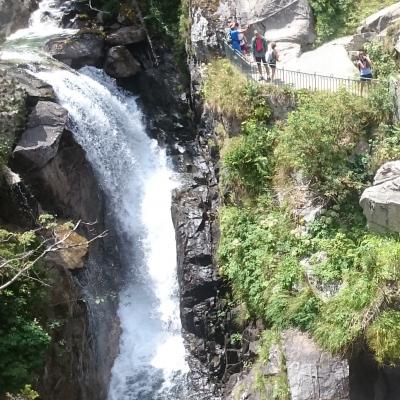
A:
(319, 138)
(334, 279)
(236, 338)
(341, 17)
(331, 16)
(382, 58)
(385, 146)
(248, 160)
(166, 15)
(383, 337)
(227, 91)
(27, 393)
(23, 337)
(348, 315)
(250, 250)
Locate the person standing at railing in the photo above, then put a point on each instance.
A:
(365, 67)
(259, 47)
(235, 35)
(273, 58)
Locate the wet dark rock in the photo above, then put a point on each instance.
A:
(35, 88)
(126, 35)
(39, 143)
(78, 50)
(17, 205)
(120, 63)
(371, 381)
(15, 15)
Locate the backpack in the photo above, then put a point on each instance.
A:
(259, 45)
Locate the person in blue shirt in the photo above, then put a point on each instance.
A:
(235, 36)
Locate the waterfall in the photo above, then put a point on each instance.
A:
(135, 176)
(134, 173)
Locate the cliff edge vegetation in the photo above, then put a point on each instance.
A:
(294, 244)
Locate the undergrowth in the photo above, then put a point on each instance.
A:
(330, 146)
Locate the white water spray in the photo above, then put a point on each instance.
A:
(134, 174)
(25, 44)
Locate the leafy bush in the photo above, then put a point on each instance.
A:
(331, 16)
(341, 17)
(252, 245)
(383, 337)
(23, 338)
(248, 161)
(348, 316)
(319, 138)
(225, 90)
(385, 147)
(382, 58)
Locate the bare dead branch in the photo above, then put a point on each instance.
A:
(57, 245)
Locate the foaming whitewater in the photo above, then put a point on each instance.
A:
(25, 44)
(136, 178)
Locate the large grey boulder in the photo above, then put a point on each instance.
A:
(35, 88)
(14, 14)
(312, 373)
(381, 202)
(380, 20)
(39, 143)
(78, 50)
(282, 20)
(126, 35)
(120, 63)
(285, 21)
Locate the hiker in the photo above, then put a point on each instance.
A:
(234, 36)
(243, 41)
(259, 47)
(273, 57)
(365, 67)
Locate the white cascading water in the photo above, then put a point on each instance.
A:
(134, 173)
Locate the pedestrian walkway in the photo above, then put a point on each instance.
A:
(298, 79)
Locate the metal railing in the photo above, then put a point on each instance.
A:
(298, 79)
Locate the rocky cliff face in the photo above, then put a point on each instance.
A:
(55, 177)
(14, 14)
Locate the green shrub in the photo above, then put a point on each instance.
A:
(347, 316)
(252, 246)
(248, 160)
(382, 58)
(331, 17)
(383, 337)
(23, 337)
(225, 90)
(336, 18)
(385, 147)
(319, 138)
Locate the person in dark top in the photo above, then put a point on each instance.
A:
(365, 67)
(273, 57)
(259, 47)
